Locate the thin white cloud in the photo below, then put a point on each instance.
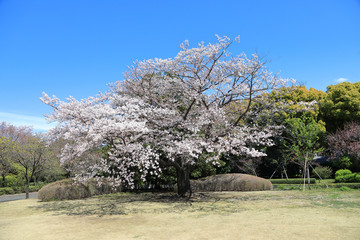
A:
(39, 124)
(340, 80)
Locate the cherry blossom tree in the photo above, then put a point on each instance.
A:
(5, 158)
(346, 143)
(168, 112)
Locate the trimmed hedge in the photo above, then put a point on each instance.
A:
(291, 181)
(231, 182)
(66, 189)
(349, 185)
(316, 186)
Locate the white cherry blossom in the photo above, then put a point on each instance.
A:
(168, 112)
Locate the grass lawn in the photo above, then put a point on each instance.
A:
(314, 214)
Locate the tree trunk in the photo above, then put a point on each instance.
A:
(304, 175)
(27, 189)
(308, 174)
(3, 180)
(183, 181)
(36, 180)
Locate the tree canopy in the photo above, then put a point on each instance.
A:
(341, 105)
(168, 112)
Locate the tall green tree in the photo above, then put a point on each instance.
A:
(303, 135)
(285, 107)
(341, 105)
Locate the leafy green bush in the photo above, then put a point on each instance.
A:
(19, 189)
(342, 172)
(231, 182)
(35, 188)
(12, 180)
(291, 181)
(345, 175)
(6, 190)
(323, 172)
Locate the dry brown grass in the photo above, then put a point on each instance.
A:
(320, 214)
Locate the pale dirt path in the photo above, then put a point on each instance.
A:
(14, 197)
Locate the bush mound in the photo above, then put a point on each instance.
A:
(66, 189)
(231, 182)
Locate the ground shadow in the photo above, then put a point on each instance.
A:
(203, 203)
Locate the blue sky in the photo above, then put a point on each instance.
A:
(77, 47)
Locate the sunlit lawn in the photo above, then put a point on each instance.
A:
(315, 214)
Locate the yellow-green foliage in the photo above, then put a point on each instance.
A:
(293, 96)
(231, 182)
(66, 189)
(341, 105)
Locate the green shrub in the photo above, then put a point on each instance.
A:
(6, 190)
(291, 181)
(345, 175)
(323, 172)
(357, 178)
(34, 188)
(66, 189)
(12, 180)
(19, 189)
(342, 172)
(231, 182)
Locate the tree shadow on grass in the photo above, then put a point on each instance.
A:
(135, 203)
(116, 204)
(200, 203)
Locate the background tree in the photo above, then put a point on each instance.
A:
(303, 141)
(32, 155)
(344, 146)
(341, 105)
(278, 108)
(6, 165)
(16, 134)
(9, 136)
(169, 112)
